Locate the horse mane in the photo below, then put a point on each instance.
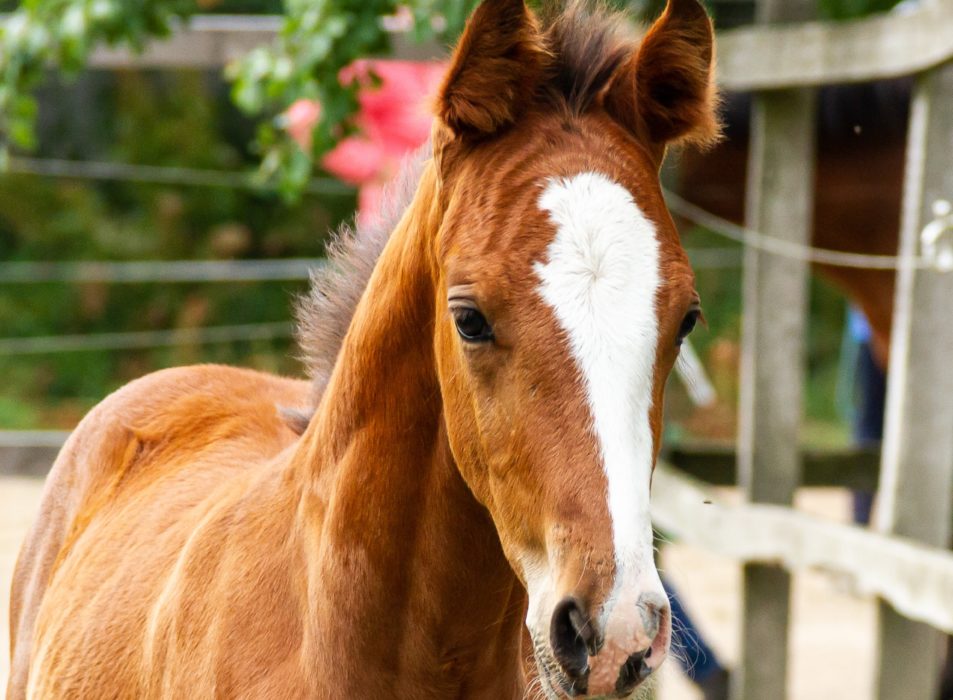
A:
(588, 43)
(324, 313)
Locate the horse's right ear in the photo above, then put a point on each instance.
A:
(495, 69)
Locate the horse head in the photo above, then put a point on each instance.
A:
(563, 294)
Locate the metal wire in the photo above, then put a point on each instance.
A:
(53, 344)
(139, 271)
(776, 246)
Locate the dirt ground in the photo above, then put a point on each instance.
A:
(832, 640)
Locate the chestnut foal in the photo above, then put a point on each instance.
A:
(480, 455)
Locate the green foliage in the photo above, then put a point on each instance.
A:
(318, 39)
(173, 119)
(63, 32)
(721, 294)
(851, 9)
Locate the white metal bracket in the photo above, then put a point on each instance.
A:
(936, 239)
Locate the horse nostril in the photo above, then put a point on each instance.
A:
(650, 608)
(572, 637)
(633, 671)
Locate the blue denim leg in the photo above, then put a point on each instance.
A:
(696, 658)
(869, 419)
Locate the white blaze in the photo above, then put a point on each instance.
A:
(600, 277)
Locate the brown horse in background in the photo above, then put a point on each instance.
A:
(861, 147)
(476, 469)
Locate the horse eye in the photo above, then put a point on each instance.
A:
(471, 325)
(688, 325)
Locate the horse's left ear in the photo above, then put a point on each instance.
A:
(666, 91)
(494, 69)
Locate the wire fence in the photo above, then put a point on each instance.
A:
(776, 246)
(196, 271)
(139, 340)
(164, 271)
(128, 172)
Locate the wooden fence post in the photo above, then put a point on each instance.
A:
(779, 203)
(917, 458)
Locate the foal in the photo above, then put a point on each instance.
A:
(478, 463)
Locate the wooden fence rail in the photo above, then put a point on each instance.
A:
(915, 579)
(29, 453)
(205, 41)
(819, 53)
(749, 58)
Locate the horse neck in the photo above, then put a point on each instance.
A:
(403, 555)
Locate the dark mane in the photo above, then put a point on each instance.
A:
(587, 43)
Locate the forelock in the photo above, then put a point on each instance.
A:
(589, 43)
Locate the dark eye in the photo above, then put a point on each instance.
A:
(688, 325)
(471, 325)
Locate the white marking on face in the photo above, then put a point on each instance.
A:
(601, 279)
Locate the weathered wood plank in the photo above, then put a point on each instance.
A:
(917, 466)
(816, 53)
(212, 41)
(203, 42)
(717, 466)
(780, 192)
(916, 579)
(29, 453)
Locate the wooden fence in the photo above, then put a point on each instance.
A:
(29, 453)
(906, 562)
(781, 61)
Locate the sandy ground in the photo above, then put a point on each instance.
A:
(832, 640)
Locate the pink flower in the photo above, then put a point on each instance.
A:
(397, 112)
(300, 119)
(394, 119)
(357, 160)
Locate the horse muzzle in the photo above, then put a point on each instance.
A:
(592, 657)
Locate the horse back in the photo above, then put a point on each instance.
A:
(160, 428)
